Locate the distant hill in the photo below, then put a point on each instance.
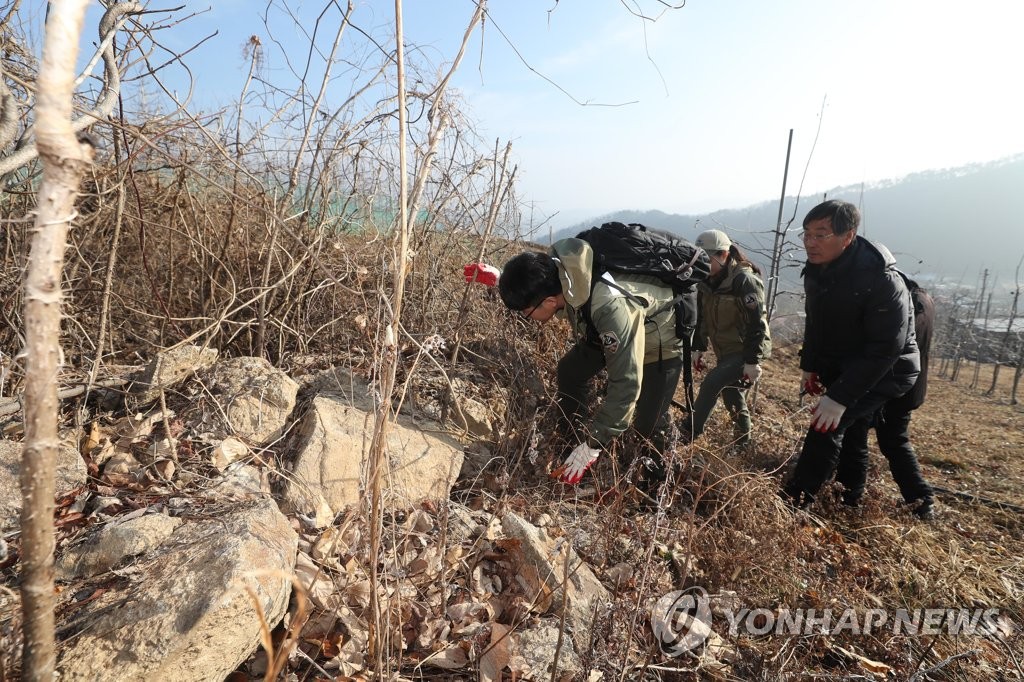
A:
(947, 224)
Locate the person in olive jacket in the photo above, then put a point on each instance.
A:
(632, 336)
(731, 315)
(859, 348)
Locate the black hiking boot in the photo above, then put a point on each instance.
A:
(923, 508)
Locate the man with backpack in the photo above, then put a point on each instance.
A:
(859, 350)
(892, 427)
(622, 322)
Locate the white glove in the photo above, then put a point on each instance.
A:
(751, 373)
(826, 415)
(698, 361)
(577, 463)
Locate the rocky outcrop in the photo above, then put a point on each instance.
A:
(71, 473)
(328, 471)
(188, 609)
(254, 398)
(585, 596)
(169, 368)
(115, 542)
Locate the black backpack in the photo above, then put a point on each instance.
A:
(924, 325)
(638, 250)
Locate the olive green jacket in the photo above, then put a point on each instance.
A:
(731, 314)
(632, 330)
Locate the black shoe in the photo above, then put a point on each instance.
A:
(795, 497)
(923, 508)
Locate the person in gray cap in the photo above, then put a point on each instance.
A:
(732, 319)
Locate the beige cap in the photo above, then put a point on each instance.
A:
(713, 241)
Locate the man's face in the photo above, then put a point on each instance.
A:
(543, 311)
(822, 244)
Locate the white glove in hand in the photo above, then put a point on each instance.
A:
(577, 463)
(698, 361)
(751, 373)
(826, 415)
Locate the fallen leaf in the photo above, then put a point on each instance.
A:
(497, 655)
(451, 658)
(866, 663)
(92, 440)
(536, 590)
(164, 469)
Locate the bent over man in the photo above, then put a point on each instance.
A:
(859, 348)
(622, 323)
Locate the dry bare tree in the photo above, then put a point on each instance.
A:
(65, 161)
(1004, 342)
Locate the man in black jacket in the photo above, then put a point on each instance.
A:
(892, 427)
(859, 347)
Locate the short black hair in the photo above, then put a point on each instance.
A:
(528, 279)
(844, 215)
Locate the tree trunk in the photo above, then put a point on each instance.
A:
(64, 161)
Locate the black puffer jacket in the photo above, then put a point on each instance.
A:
(859, 331)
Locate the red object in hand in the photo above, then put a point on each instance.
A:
(481, 272)
(812, 385)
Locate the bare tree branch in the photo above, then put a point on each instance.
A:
(112, 19)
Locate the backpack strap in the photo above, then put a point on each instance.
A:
(688, 375)
(585, 309)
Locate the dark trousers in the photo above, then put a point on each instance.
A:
(650, 418)
(892, 428)
(821, 451)
(722, 381)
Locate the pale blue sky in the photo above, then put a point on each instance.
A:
(910, 85)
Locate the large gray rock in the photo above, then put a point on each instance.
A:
(586, 597)
(182, 613)
(113, 543)
(330, 464)
(255, 397)
(71, 473)
(169, 368)
(535, 649)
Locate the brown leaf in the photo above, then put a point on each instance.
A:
(164, 469)
(92, 440)
(69, 518)
(537, 591)
(497, 655)
(451, 658)
(866, 663)
(509, 544)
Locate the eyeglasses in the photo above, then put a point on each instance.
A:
(525, 314)
(808, 237)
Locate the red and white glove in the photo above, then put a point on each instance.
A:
(481, 272)
(577, 463)
(698, 361)
(810, 384)
(826, 415)
(751, 373)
